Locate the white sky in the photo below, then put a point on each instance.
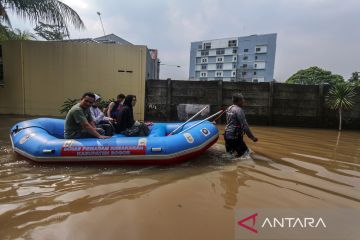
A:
(324, 33)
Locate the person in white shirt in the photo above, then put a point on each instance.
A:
(100, 119)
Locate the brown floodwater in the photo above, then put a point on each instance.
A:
(290, 168)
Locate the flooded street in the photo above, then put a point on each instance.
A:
(290, 168)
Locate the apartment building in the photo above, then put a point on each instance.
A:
(250, 58)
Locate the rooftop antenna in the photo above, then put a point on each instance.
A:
(98, 13)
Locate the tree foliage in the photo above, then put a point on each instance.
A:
(354, 79)
(7, 33)
(52, 12)
(341, 97)
(315, 75)
(69, 103)
(50, 31)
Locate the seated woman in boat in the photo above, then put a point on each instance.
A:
(115, 108)
(127, 115)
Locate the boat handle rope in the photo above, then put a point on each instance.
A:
(17, 129)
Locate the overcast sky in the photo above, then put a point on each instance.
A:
(325, 33)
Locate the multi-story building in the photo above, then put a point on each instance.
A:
(249, 58)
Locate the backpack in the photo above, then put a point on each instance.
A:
(138, 129)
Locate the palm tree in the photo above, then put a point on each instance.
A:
(22, 35)
(341, 97)
(7, 33)
(48, 11)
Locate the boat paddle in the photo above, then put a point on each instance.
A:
(188, 120)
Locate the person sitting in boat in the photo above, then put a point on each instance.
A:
(115, 108)
(236, 126)
(79, 122)
(100, 119)
(127, 115)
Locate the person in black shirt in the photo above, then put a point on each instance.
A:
(115, 108)
(127, 115)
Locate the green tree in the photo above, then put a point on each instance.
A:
(50, 31)
(17, 34)
(315, 75)
(49, 11)
(341, 97)
(4, 33)
(8, 34)
(355, 79)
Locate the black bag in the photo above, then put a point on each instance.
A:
(137, 130)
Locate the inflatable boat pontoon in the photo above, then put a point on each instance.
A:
(42, 140)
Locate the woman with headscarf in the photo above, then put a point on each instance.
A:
(127, 115)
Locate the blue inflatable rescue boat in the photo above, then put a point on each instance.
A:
(42, 140)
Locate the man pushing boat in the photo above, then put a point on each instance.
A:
(236, 127)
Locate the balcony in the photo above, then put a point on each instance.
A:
(260, 49)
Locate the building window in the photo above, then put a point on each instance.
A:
(244, 65)
(219, 59)
(255, 57)
(235, 59)
(235, 51)
(219, 66)
(259, 65)
(261, 49)
(243, 73)
(234, 65)
(258, 79)
(218, 74)
(220, 51)
(207, 45)
(204, 66)
(233, 74)
(203, 74)
(204, 60)
(254, 73)
(246, 50)
(245, 58)
(204, 53)
(232, 43)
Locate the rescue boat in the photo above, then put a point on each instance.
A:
(42, 140)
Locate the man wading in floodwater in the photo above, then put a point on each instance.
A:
(236, 126)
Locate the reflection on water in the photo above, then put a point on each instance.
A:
(194, 200)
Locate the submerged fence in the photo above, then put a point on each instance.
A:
(274, 104)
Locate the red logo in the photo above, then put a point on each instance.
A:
(253, 217)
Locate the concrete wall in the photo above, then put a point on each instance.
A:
(12, 93)
(275, 104)
(40, 76)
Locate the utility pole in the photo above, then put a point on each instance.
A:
(98, 13)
